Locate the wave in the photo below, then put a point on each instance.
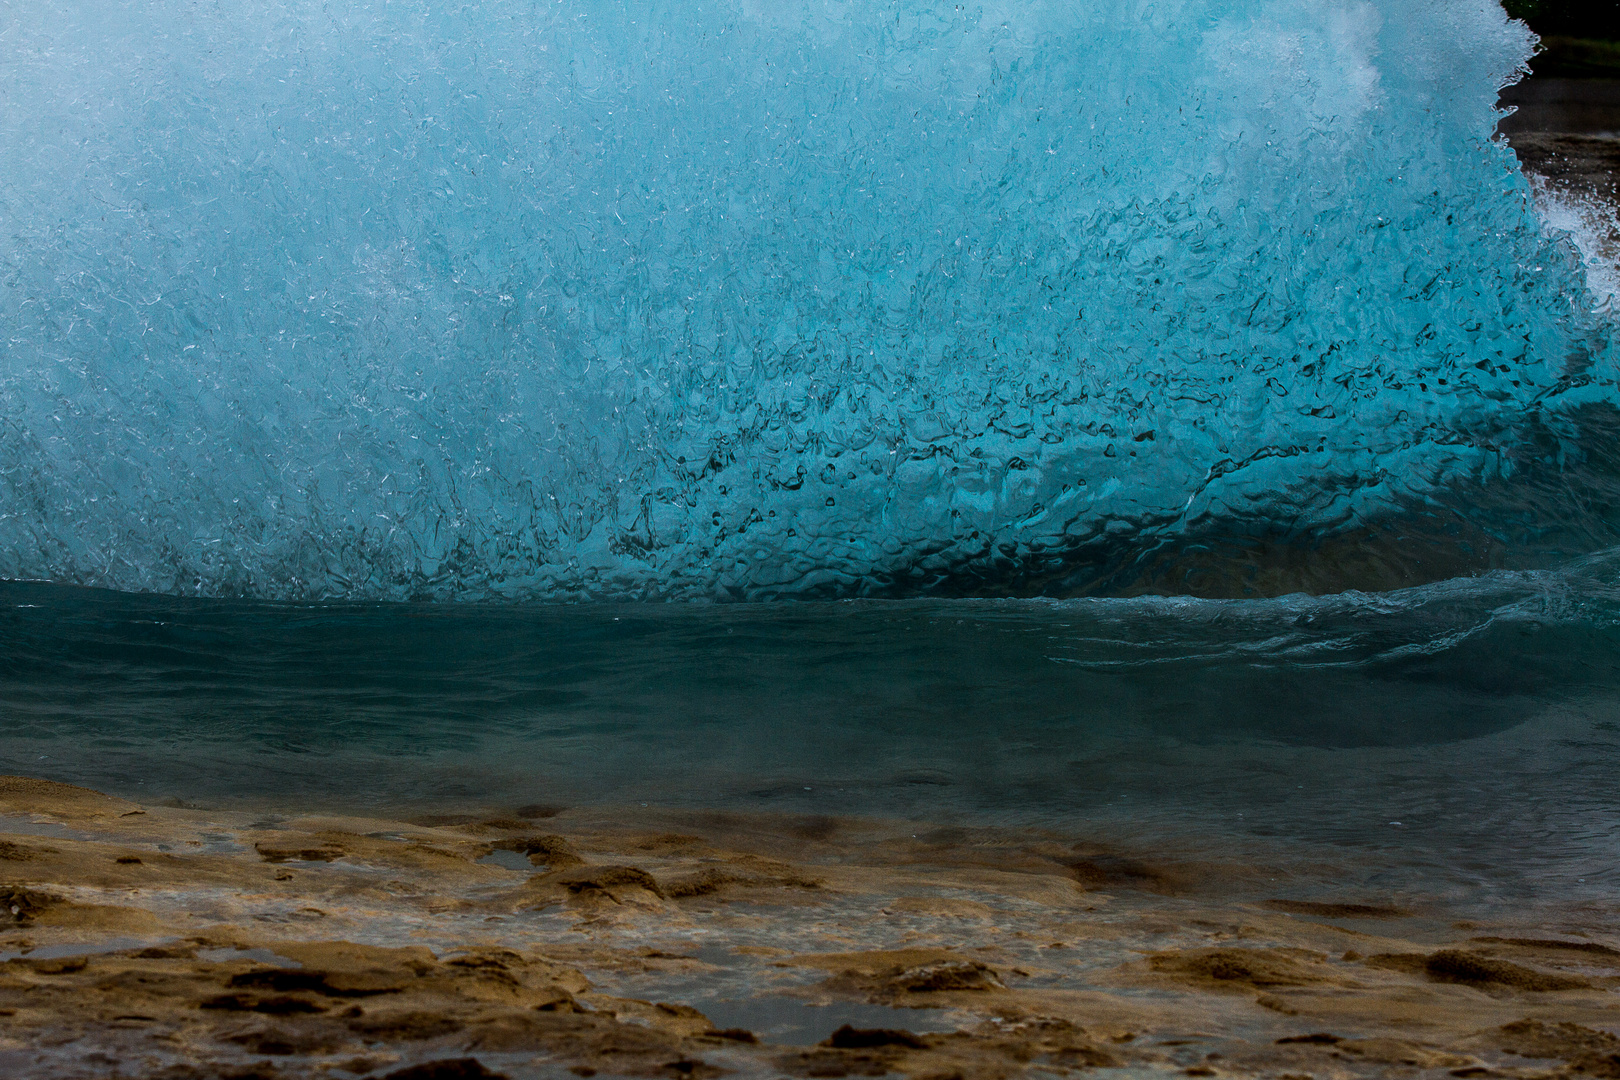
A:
(584, 300)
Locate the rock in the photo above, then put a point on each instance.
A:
(713, 879)
(1470, 969)
(277, 851)
(1539, 1039)
(852, 1038)
(1337, 911)
(21, 906)
(950, 975)
(1240, 968)
(552, 851)
(448, 1069)
(608, 881)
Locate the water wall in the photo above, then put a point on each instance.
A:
(724, 298)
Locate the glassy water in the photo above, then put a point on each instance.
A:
(1460, 739)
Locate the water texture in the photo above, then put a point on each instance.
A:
(582, 299)
(1459, 739)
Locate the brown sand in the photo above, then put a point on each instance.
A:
(147, 941)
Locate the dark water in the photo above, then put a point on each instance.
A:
(1482, 715)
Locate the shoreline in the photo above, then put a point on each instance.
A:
(160, 941)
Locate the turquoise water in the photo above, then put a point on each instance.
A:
(590, 301)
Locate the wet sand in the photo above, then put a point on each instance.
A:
(1564, 133)
(1586, 164)
(153, 941)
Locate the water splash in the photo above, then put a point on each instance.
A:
(1593, 226)
(379, 300)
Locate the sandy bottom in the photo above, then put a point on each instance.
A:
(143, 941)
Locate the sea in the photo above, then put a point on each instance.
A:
(1176, 423)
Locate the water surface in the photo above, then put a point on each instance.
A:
(1459, 739)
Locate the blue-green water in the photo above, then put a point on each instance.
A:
(545, 300)
(1481, 715)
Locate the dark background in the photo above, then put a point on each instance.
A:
(1580, 38)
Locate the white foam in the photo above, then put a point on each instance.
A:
(1592, 224)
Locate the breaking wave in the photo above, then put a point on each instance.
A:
(580, 299)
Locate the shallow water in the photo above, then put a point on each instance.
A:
(1458, 740)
